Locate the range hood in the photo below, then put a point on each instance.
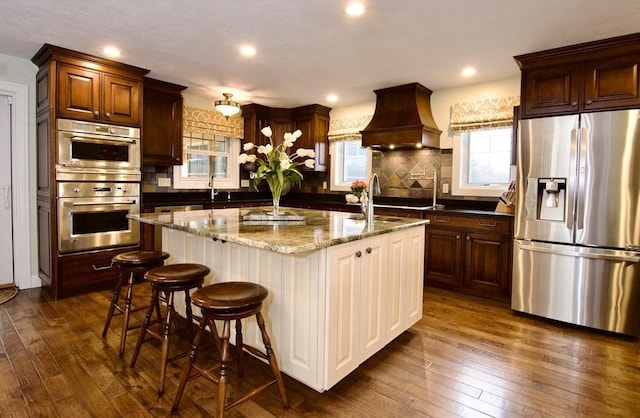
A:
(402, 119)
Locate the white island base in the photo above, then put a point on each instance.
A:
(328, 310)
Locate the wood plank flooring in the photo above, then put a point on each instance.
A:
(467, 357)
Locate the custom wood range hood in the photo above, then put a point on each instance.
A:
(402, 119)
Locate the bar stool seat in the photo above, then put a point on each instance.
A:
(165, 281)
(132, 266)
(227, 302)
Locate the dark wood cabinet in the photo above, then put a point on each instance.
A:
(600, 75)
(98, 96)
(469, 253)
(77, 86)
(162, 123)
(312, 120)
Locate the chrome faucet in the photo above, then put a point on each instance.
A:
(373, 181)
(213, 190)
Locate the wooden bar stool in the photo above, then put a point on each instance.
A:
(168, 280)
(227, 302)
(132, 265)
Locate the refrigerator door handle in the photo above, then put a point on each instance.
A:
(582, 175)
(572, 180)
(619, 256)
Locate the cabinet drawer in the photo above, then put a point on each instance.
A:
(481, 223)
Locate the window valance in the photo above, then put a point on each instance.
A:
(348, 129)
(211, 122)
(482, 114)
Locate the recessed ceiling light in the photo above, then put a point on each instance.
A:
(111, 51)
(355, 8)
(468, 71)
(248, 50)
(331, 98)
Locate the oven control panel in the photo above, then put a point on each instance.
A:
(91, 189)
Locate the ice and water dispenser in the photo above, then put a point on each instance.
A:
(546, 199)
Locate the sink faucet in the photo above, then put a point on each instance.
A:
(373, 181)
(213, 190)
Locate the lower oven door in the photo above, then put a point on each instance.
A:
(91, 223)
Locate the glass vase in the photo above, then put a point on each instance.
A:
(276, 191)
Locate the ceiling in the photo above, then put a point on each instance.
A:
(307, 49)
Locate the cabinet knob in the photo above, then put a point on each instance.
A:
(574, 103)
(457, 236)
(368, 250)
(108, 115)
(468, 238)
(589, 101)
(96, 113)
(358, 254)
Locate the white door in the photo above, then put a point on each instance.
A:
(6, 224)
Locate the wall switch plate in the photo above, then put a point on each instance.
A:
(244, 183)
(324, 185)
(164, 182)
(445, 188)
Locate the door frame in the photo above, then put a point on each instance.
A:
(20, 189)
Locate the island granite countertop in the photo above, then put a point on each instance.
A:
(320, 229)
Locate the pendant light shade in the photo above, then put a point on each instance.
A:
(227, 106)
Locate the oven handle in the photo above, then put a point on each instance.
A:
(127, 202)
(99, 138)
(102, 268)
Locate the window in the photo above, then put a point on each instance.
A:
(206, 156)
(349, 161)
(482, 162)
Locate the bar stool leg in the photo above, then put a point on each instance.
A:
(239, 349)
(224, 365)
(165, 341)
(191, 358)
(126, 313)
(114, 303)
(273, 362)
(145, 325)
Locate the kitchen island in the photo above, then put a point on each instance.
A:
(339, 288)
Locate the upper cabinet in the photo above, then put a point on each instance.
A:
(162, 123)
(593, 76)
(88, 88)
(312, 120)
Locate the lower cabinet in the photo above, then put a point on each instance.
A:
(470, 253)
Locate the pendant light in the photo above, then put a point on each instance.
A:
(227, 106)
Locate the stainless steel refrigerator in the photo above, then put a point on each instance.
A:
(577, 225)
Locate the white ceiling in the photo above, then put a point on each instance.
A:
(309, 48)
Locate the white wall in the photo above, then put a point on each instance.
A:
(22, 71)
(441, 102)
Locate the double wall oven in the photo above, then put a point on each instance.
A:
(98, 179)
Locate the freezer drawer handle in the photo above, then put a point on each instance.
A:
(611, 257)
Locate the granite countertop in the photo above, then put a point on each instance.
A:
(320, 229)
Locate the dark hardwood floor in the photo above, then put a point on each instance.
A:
(466, 357)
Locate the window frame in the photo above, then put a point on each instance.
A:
(459, 187)
(232, 181)
(337, 164)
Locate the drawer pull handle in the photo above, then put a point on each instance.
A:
(490, 225)
(102, 268)
(448, 219)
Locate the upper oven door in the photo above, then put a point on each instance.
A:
(86, 223)
(98, 151)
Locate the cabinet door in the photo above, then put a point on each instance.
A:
(375, 296)
(162, 127)
(315, 130)
(121, 100)
(487, 263)
(343, 307)
(78, 93)
(443, 256)
(551, 90)
(612, 83)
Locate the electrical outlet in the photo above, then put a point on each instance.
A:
(445, 188)
(324, 185)
(244, 183)
(164, 182)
